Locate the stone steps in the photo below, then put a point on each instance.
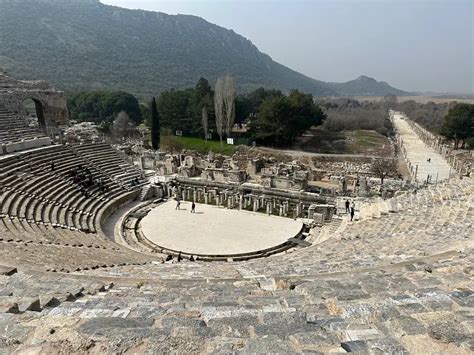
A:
(423, 305)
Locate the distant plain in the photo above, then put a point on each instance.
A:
(469, 99)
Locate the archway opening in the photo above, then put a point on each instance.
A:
(34, 113)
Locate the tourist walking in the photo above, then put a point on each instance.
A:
(178, 203)
(348, 204)
(193, 207)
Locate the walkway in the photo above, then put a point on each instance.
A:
(418, 152)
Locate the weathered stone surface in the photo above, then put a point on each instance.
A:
(354, 346)
(7, 270)
(9, 307)
(234, 327)
(270, 344)
(101, 325)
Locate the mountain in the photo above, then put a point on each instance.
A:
(84, 44)
(365, 86)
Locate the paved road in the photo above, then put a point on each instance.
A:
(418, 152)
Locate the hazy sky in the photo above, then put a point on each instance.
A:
(412, 44)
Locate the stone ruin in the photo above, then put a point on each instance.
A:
(325, 176)
(50, 104)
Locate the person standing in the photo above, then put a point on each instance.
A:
(348, 203)
(178, 203)
(193, 207)
(352, 213)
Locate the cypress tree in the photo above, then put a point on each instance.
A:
(155, 126)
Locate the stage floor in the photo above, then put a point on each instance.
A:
(215, 230)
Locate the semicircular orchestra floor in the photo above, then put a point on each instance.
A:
(213, 230)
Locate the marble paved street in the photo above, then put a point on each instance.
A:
(418, 152)
(215, 230)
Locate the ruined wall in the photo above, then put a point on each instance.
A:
(51, 105)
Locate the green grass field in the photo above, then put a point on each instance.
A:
(175, 143)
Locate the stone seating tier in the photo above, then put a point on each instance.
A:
(47, 221)
(13, 129)
(420, 307)
(106, 159)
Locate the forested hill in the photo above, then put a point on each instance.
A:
(83, 45)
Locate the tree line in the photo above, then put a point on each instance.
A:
(270, 116)
(349, 115)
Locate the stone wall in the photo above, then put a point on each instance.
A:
(51, 104)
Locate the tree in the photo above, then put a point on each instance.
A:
(458, 124)
(202, 89)
(202, 97)
(383, 168)
(205, 121)
(247, 105)
(100, 106)
(219, 107)
(281, 119)
(229, 103)
(155, 126)
(224, 104)
(121, 125)
(389, 101)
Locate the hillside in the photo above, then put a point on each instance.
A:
(365, 86)
(83, 45)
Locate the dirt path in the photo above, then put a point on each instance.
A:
(300, 153)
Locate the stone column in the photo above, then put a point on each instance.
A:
(206, 198)
(269, 208)
(194, 195)
(184, 195)
(281, 210)
(240, 202)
